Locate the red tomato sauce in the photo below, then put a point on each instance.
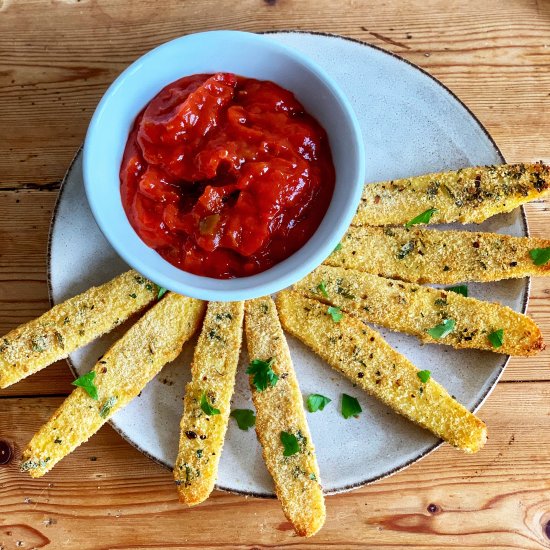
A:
(225, 176)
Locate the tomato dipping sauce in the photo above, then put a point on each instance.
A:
(225, 176)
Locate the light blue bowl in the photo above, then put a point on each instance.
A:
(246, 54)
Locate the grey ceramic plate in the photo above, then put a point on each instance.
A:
(411, 125)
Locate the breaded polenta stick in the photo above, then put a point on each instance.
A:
(279, 408)
(433, 256)
(414, 309)
(466, 195)
(363, 356)
(71, 325)
(206, 406)
(120, 375)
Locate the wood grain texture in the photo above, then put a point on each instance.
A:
(56, 60)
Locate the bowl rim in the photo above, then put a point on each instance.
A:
(274, 278)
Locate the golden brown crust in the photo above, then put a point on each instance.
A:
(414, 309)
(280, 408)
(468, 195)
(213, 375)
(71, 325)
(363, 356)
(433, 256)
(121, 374)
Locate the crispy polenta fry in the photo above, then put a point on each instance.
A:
(71, 325)
(432, 256)
(207, 401)
(279, 408)
(120, 375)
(414, 309)
(364, 357)
(466, 195)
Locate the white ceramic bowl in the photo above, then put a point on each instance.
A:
(246, 54)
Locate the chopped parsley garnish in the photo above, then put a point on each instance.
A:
(459, 289)
(206, 407)
(107, 406)
(440, 331)
(337, 247)
(86, 382)
(350, 406)
(133, 295)
(245, 418)
(263, 374)
(290, 443)
(316, 402)
(496, 338)
(335, 313)
(424, 375)
(540, 256)
(404, 250)
(322, 289)
(425, 217)
(162, 291)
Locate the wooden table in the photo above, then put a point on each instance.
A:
(56, 60)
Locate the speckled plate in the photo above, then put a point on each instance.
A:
(411, 125)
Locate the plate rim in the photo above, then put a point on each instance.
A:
(423, 454)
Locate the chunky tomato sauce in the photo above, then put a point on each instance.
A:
(225, 176)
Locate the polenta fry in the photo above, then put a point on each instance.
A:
(414, 309)
(207, 401)
(432, 256)
(279, 408)
(363, 356)
(71, 325)
(120, 375)
(466, 195)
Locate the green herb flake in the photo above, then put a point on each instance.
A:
(290, 444)
(263, 374)
(58, 441)
(33, 464)
(107, 406)
(350, 406)
(425, 217)
(245, 418)
(322, 289)
(459, 289)
(133, 295)
(86, 382)
(424, 375)
(39, 344)
(540, 256)
(199, 453)
(162, 291)
(337, 247)
(312, 476)
(404, 250)
(335, 313)
(206, 407)
(440, 331)
(496, 338)
(316, 402)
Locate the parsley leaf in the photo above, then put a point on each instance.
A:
(86, 381)
(350, 406)
(206, 407)
(459, 289)
(496, 338)
(316, 402)
(425, 217)
(107, 406)
(322, 289)
(263, 373)
(337, 247)
(335, 313)
(162, 291)
(440, 331)
(290, 443)
(424, 375)
(245, 418)
(540, 256)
